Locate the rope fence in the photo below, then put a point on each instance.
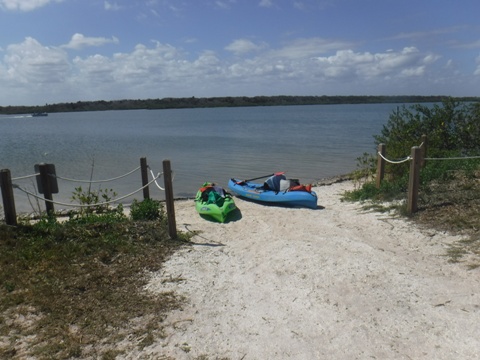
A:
(156, 183)
(47, 185)
(96, 181)
(408, 158)
(26, 176)
(86, 205)
(417, 160)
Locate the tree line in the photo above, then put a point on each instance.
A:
(227, 101)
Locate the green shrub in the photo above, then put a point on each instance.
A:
(147, 209)
(388, 191)
(98, 201)
(452, 130)
(111, 216)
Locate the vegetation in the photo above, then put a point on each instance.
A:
(147, 209)
(228, 101)
(68, 285)
(96, 201)
(449, 198)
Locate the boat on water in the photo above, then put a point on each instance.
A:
(276, 190)
(39, 114)
(214, 203)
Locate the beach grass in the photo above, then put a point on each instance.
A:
(67, 286)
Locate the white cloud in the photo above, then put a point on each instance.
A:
(470, 45)
(299, 5)
(224, 4)
(162, 70)
(265, 3)
(31, 63)
(79, 41)
(111, 6)
(409, 62)
(477, 70)
(305, 48)
(243, 46)
(25, 5)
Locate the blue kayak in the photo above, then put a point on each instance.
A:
(258, 192)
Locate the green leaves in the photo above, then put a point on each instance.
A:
(148, 209)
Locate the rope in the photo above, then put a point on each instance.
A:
(173, 177)
(156, 183)
(395, 162)
(85, 205)
(95, 181)
(454, 158)
(25, 177)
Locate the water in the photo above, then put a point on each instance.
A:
(308, 142)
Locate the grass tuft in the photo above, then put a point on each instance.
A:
(66, 287)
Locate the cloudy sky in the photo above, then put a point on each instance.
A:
(55, 51)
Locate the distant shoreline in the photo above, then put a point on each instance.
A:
(228, 101)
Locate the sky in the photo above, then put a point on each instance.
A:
(56, 51)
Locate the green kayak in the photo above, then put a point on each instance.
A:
(213, 202)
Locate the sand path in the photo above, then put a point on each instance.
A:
(333, 283)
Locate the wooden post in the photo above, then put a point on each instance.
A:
(144, 171)
(414, 180)
(7, 196)
(380, 164)
(167, 174)
(424, 150)
(47, 190)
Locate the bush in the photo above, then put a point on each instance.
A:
(147, 209)
(452, 130)
(98, 201)
(388, 191)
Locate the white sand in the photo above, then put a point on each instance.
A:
(331, 283)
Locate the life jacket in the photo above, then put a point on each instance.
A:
(294, 185)
(307, 188)
(212, 194)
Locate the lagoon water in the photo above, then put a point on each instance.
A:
(309, 142)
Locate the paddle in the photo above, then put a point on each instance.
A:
(261, 177)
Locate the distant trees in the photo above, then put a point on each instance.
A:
(228, 101)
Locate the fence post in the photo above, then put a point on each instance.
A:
(424, 150)
(144, 172)
(167, 173)
(380, 164)
(47, 190)
(414, 180)
(7, 196)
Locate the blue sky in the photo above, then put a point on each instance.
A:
(55, 51)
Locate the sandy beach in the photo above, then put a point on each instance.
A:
(338, 282)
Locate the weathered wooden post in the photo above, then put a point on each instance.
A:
(167, 174)
(7, 196)
(380, 164)
(144, 172)
(424, 148)
(45, 186)
(414, 180)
